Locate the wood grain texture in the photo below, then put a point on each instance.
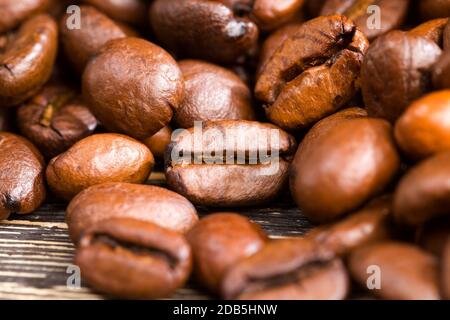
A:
(36, 252)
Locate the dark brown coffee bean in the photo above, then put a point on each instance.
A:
(299, 86)
(134, 259)
(368, 225)
(218, 242)
(405, 271)
(96, 30)
(232, 163)
(431, 9)
(446, 36)
(424, 193)
(128, 11)
(396, 71)
(26, 59)
(273, 42)
(97, 159)
(13, 13)
(22, 188)
(125, 200)
(441, 71)
(314, 7)
(432, 30)
(287, 269)
(138, 94)
(342, 163)
(432, 236)
(445, 271)
(203, 29)
(55, 119)
(212, 93)
(159, 141)
(423, 129)
(393, 14)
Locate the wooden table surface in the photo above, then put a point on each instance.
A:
(36, 253)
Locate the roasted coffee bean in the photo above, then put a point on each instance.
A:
(133, 259)
(432, 30)
(396, 71)
(287, 269)
(230, 163)
(218, 242)
(273, 42)
(203, 29)
(26, 59)
(342, 162)
(445, 271)
(159, 141)
(55, 119)
(424, 193)
(441, 71)
(431, 9)
(81, 44)
(212, 93)
(128, 11)
(432, 236)
(405, 271)
(446, 36)
(97, 159)
(132, 86)
(368, 225)
(22, 188)
(13, 13)
(125, 200)
(298, 85)
(423, 129)
(393, 14)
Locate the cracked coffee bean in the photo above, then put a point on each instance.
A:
(55, 119)
(125, 200)
(22, 187)
(97, 159)
(26, 59)
(313, 74)
(134, 259)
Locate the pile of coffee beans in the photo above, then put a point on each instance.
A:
(340, 107)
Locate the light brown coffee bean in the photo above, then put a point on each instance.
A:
(22, 187)
(423, 129)
(125, 200)
(405, 271)
(424, 193)
(133, 259)
(97, 159)
(218, 242)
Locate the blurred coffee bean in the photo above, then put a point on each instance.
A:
(432, 30)
(404, 271)
(441, 71)
(125, 200)
(423, 129)
(22, 186)
(432, 236)
(14, 13)
(218, 242)
(158, 142)
(431, 9)
(128, 11)
(396, 71)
